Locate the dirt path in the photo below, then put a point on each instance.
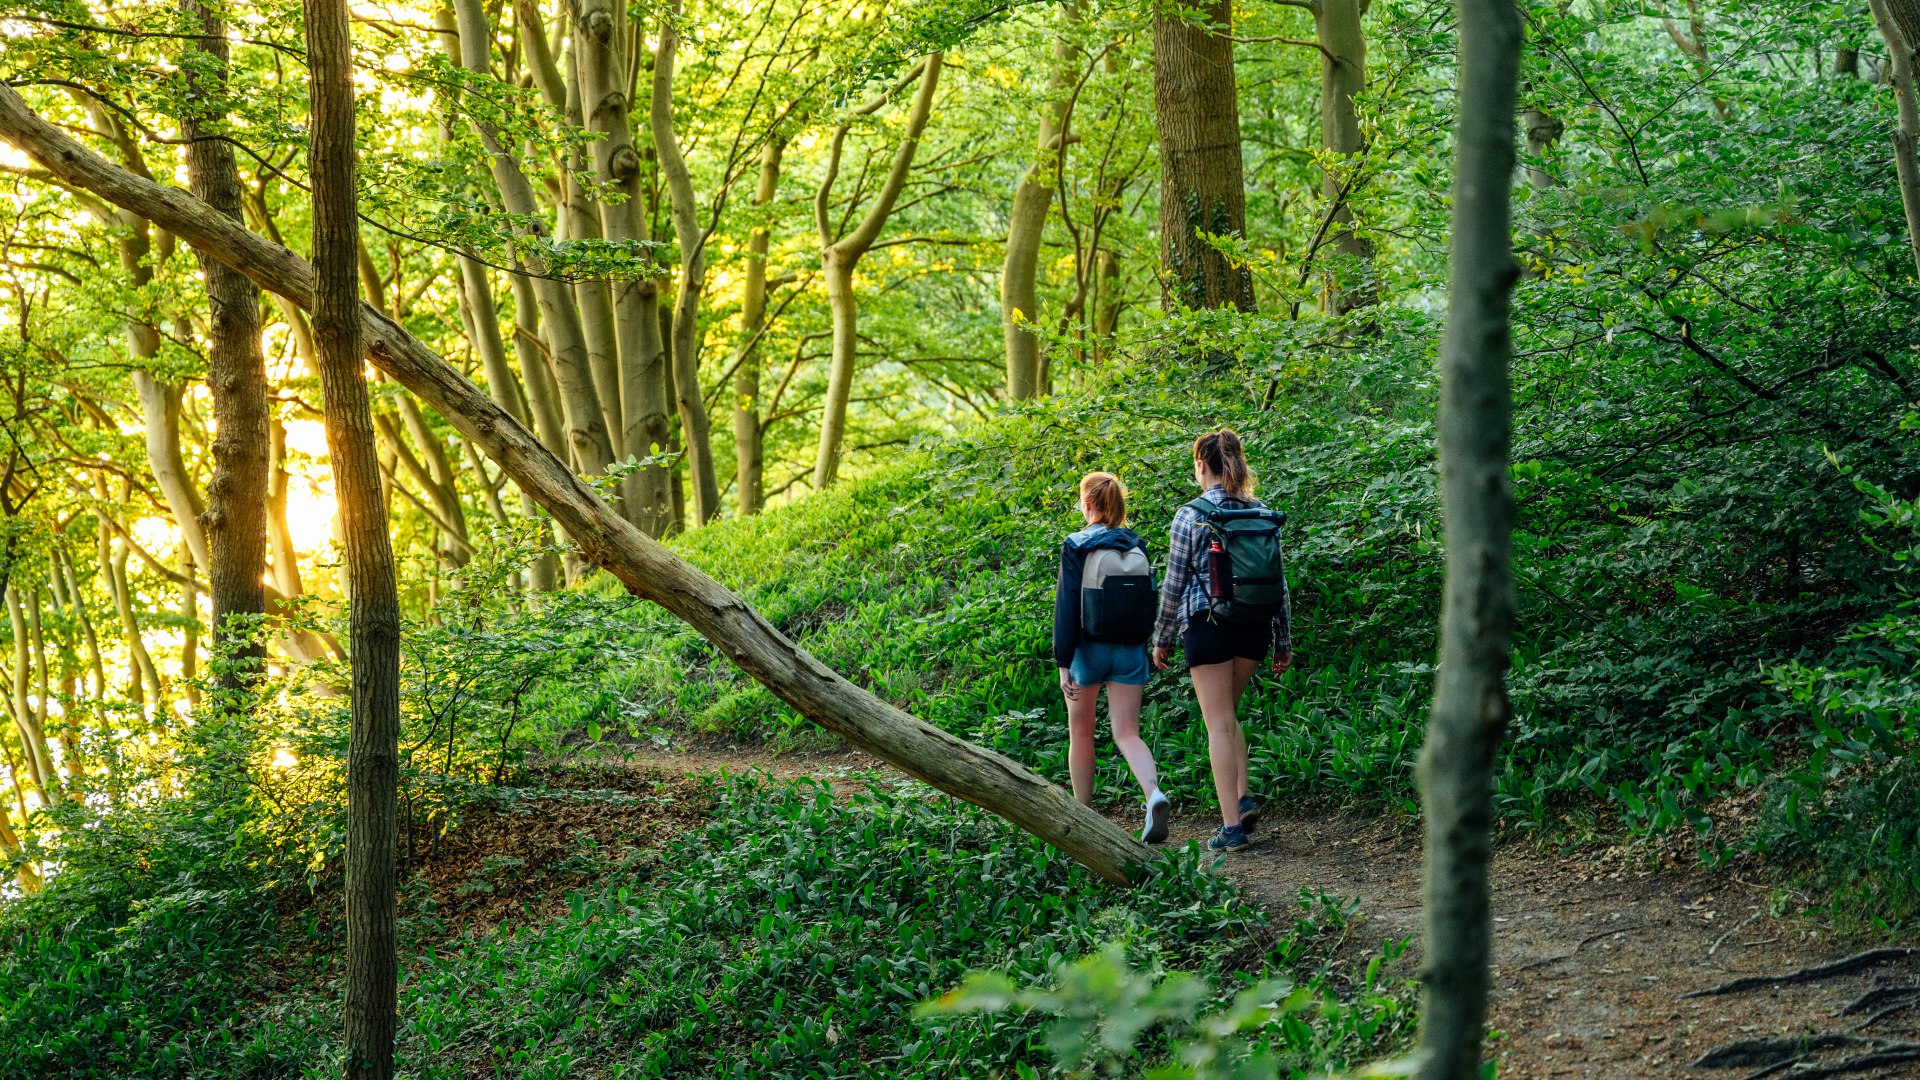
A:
(1590, 956)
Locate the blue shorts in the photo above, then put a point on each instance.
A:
(1096, 662)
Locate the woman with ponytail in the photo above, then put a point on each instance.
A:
(1225, 600)
(1103, 614)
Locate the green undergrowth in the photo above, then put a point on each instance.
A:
(792, 935)
(1661, 607)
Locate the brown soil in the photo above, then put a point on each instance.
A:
(1591, 952)
(1590, 956)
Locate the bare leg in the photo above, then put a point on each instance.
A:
(1243, 670)
(1226, 747)
(1123, 711)
(1082, 713)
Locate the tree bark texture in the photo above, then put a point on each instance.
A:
(1026, 225)
(1899, 23)
(603, 66)
(840, 257)
(749, 437)
(374, 614)
(1202, 189)
(235, 518)
(588, 440)
(1470, 706)
(1343, 76)
(647, 569)
(695, 427)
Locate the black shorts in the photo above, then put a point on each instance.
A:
(1209, 642)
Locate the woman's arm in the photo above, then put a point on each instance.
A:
(1183, 538)
(1066, 605)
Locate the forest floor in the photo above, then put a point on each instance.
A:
(1592, 950)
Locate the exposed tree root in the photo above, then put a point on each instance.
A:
(1847, 966)
(1891, 1054)
(1881, 996)
(1770, 1053)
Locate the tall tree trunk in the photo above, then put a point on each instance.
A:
(113, 566)
(1026, 225)
(1470, 707)
(373, 746)
(695, 428)
(1343, 76)
(604, 78)
(839, 257)
(1543, 130)
(33, 739)
(189, 629)
(160, 410)
(646, 568)
(587, 436)
(1899, 22)
(96, 667)
(1693, 42)
(596, 300)
(1197, 115)
(235, 518)
(10, 846)
(749, 442)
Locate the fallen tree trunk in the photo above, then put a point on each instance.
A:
(648, 570)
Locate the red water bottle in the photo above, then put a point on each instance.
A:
(1219, 572)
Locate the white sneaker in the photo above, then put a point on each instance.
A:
(1159, 810)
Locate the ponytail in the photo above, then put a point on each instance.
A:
(1105, 498)
(1221, 454)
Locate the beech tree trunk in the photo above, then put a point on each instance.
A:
(1202, 190)
(600, 51)
(839, 257)
(588, 440)
(1343, 76)
(1470, 706)
(749, 436)
(1026, 226)
(1899, 23)
(33, 738)
(647, 569)
(373, 753)
(235, 518)
(695, 428)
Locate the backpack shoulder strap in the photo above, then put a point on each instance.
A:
(1206, 508)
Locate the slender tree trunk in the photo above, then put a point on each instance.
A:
(234, 521)
(373, 746)
(695, 428)
(1693, 42)
(749, 443)
(587, 435)
(1846, 62)
(583, 223)
(1470, 707)
(96, 667)
(1543, 130)
(160, 409)
(190, 629)
(646, 568)
(1026, 225)
(113, 563)
(1343, 76)
(1899, 21)
(28, 874)
(33, 739)
(839, 257)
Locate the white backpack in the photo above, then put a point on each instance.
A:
(1117, 599)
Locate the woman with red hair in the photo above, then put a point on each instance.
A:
(1102, 617)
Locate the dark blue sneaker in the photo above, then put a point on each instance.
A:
(1249, 813)
(1229, 838)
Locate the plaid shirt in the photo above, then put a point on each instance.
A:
(1184, 593)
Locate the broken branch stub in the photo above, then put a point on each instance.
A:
(953, 765)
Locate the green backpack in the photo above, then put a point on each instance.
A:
(1255, 588)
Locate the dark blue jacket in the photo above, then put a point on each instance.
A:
(1073, 561)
